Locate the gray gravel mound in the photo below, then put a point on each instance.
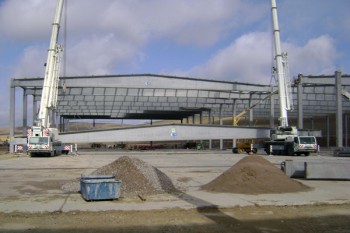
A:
(137, 177)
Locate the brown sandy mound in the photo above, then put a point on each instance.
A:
(137, 176)
(254, 175)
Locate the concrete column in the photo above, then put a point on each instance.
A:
(209, 122)
(234, 110)
(220, 115)
(328, 132)
(61, 124)
(272, 110)
(24, 116)
(346, 130)
(300, 101)
(53, 118)
(251, 118)
(12, 113)
(339, 113)
(221, 123)
(209, 117)
(35, 109)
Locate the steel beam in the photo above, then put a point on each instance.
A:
(163, 133)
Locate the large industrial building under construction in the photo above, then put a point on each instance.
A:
(321, 104)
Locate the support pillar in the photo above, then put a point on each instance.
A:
(328, 132)
(250, 111)
(346, 130)
(53, 117)
(12, 114)
(272, 109)
(34, 110)
(24, 116)
(234, 140)
(221, 123)
(209, 122)
(300, 101)
(339, 113)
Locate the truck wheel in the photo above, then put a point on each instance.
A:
(307, 153)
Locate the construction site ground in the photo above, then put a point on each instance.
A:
(31, 198)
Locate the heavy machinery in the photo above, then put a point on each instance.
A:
(285, 139)
(42, 139)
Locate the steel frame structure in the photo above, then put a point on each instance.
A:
(158, 97)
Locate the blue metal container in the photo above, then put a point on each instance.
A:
(94, 188)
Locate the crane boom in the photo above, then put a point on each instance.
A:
(281, 72)
(50, 87)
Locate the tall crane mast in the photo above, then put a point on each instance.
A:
(50, 87)
(282, 71)
(41, 139)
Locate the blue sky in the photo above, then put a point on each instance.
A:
(213, 39)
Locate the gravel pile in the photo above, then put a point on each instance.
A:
(138, 178)
(254, 175)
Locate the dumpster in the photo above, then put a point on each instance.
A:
(95, 188)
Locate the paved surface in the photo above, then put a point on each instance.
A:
(33, 184)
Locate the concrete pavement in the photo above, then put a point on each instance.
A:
(33, 184)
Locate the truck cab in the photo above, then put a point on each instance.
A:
(305, 145)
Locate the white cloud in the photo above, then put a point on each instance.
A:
(250, 58)
(26, 20)
(102, 35)
(31, 63)
(317, 56)
(99, 55)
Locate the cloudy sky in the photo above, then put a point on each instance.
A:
(212, 39)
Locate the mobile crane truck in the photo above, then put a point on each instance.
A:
(285, 139)
(42, 139)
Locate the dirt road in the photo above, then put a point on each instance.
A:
(321, 218)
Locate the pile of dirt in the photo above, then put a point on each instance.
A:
(138, 178)
(254, 175)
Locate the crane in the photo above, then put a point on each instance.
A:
(41, 138)
(285, 139)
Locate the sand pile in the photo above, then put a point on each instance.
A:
(254, 175)
(137, 176)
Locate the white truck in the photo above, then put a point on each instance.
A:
(42, 139)
(44, 142)
(285, 139)
(288, 142)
